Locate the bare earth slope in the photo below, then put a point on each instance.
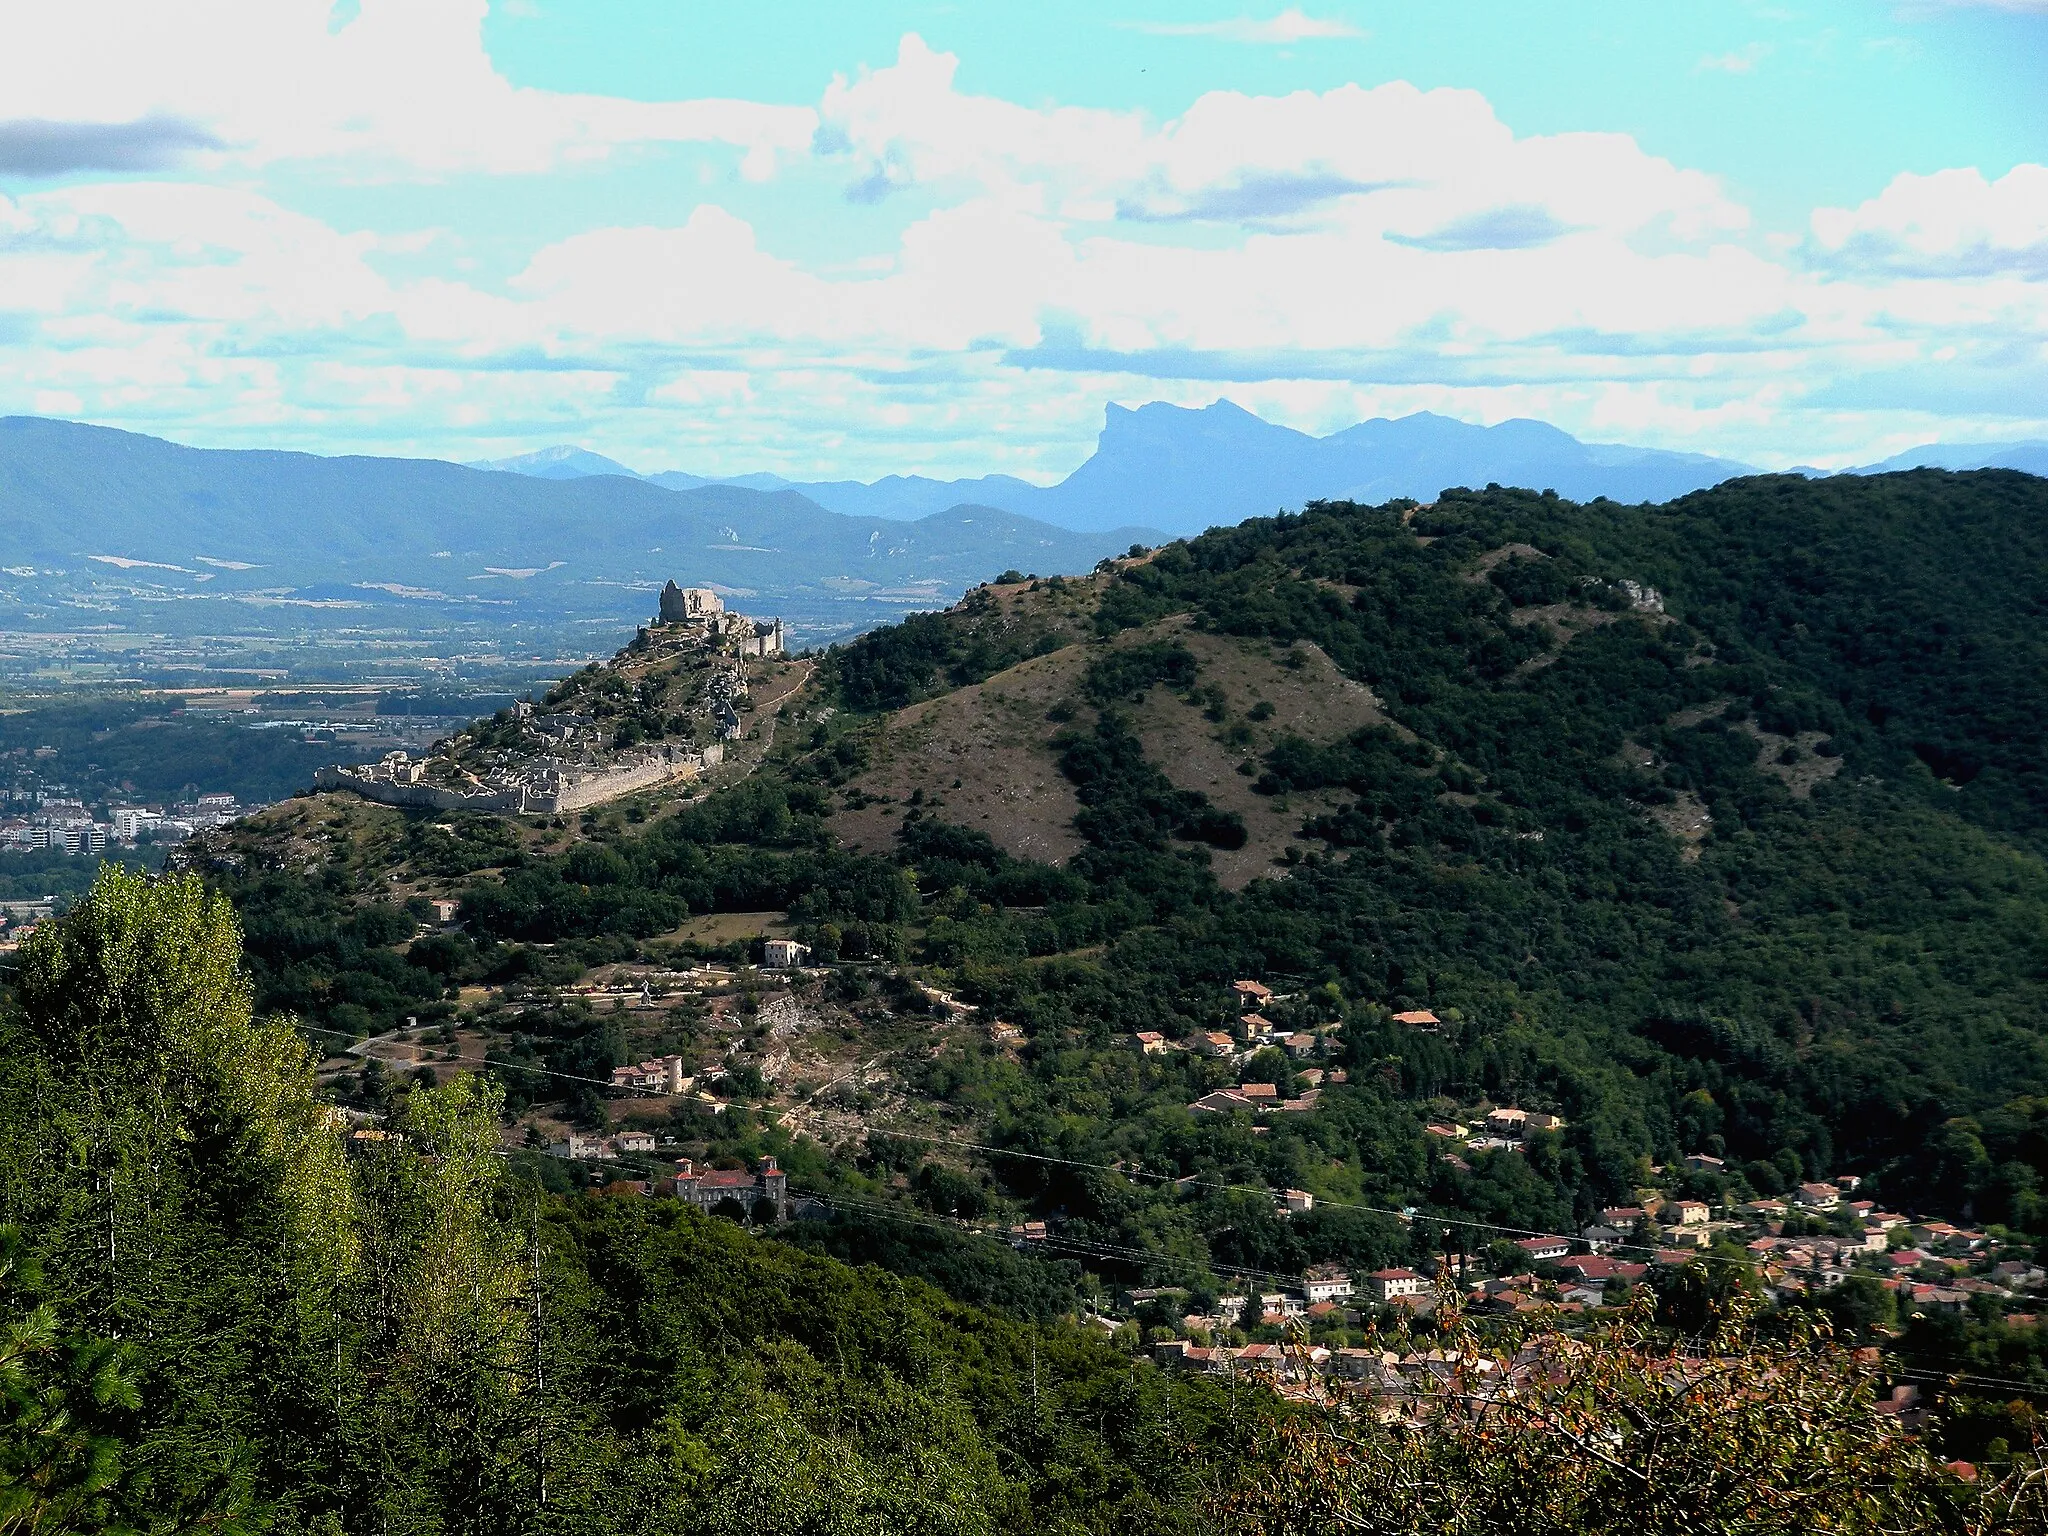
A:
(983, 757)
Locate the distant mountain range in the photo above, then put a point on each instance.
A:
(2031, 457)
(89, 515)
(1184, 470)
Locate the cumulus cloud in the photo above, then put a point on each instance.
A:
(1290, 26)
(1952, 224)
(1409, 160)
(403, 87)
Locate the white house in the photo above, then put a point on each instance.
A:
(1385, 1284)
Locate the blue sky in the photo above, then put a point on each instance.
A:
(834, 239)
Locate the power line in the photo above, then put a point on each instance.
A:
(1090, 1247)
(1470, 1224)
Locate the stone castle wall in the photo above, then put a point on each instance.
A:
(581, 793)
(426, 797)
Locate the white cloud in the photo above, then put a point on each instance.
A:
(1321, 255)
(1290, 26)
(1952, 224)
(403, 88)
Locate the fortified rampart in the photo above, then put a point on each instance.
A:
(426, 797)
(550, 790)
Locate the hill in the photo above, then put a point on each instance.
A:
(1183, 470)
(98, 517)
(1714, 828)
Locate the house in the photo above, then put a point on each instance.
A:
(1215, 1044)
(1507, 1123)
(1538, 1121)
(582, 1148)
(1384, 1285)
(1939, 1298)
(1686, 1213)
(1300, 1047)
(634, 1141)
(1224, 1101)
(708, 1188)
(666, 1075)
(1544, 1248)
(1596, 1269)
(1150, 1042)
(1264, 1094)
(1296, 1202)
(1699, 1162)
(1419, 1018)
(1280, 1304)
(1256, 1025)
(1027, 1233)
(1325, 1283)
(1447, 1131)
(1623, 1216)
(784, 954)
(444, 911)
(1817, 1197)
(1251, 995)
(1600, 1238)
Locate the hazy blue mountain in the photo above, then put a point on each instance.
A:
(1183, 470)
(2031, 457)
(114, 512)
(678, 480)
(913, 496)
(558, 463)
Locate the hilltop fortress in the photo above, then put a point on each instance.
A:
(703, 609)
(659, 712)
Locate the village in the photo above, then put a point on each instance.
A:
(1801, 1244)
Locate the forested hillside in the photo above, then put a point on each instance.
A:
(1715, 825)
(1713, 828)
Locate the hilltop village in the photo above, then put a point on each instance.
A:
(659, 713)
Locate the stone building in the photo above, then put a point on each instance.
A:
(707, 1188)
(689, 605)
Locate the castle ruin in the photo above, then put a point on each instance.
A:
(564, 759)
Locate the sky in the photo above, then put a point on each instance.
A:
(845, 240)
